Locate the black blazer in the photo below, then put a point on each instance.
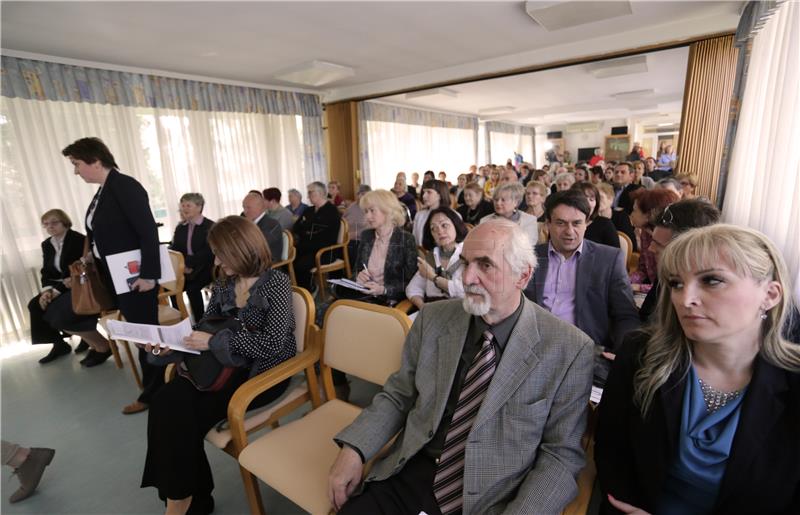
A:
(273, 234)
(70, 252)
(633, 454)
(602, 230)
(400, 265)
(473, 216)
(604, 306)
(122, 221)
(202, 259)
(316, 228)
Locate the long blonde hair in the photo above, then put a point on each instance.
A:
(750, 254)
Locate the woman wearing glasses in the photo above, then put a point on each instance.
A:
(701, 411)
(63, 247)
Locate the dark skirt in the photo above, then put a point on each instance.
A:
(60, 317)
(178, 420)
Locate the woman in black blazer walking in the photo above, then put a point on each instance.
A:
(191, 240)
(701, 411)
(119, 220)
(62, 248)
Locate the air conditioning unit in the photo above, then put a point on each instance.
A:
(584, 127)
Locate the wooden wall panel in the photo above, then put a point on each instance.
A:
(342, 138)
(706, 103)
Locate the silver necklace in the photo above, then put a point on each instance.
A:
(716, 399)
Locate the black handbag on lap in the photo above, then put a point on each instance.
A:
(204, 370)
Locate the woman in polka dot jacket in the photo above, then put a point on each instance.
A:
(180, 415)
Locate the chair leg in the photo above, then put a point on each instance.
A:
(134, 366)
(292, 277)
(321, 282)
(112, 344)
(252, 492)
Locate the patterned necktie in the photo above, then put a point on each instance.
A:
(448, 483)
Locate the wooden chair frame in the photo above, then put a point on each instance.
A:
(320, 270)
(245, 394)
(291, 253)
(304, 362)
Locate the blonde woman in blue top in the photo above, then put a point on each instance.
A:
(701, 411)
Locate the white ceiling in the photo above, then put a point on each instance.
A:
(570, 94)
(391, 45)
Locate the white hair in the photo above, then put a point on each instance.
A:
(519, 253)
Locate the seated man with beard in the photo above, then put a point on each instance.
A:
(489, 402)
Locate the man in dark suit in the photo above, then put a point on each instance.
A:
(489, 402)
(254, 209)
(580, 281)
(623, 205)
(316, 228)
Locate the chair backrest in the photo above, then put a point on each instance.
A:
(303, 307)
(626, 245)
(364, 340)
(287, 242)
(176, 258)
(344, 233)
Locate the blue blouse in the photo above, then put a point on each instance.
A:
(705, 443)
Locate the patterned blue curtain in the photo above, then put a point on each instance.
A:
(40, 80)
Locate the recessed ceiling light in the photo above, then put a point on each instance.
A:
(432, 92)
(618, 67)
(315, 73)
(561, 15)
(497, 110)
(639, 93)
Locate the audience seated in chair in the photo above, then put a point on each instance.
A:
(475, 205)
(355, 220)
(438, 274)
(526, 375)
(61, 249)
(507, 197)
(316, 228)
(191, 240)
(255, 210)
(645, 204)
(387, 255)
(699, 410)
(181, 414)
(295, 205)
(272, 202)
(404, 195)
(579, 281)
(599, 228)
(668, 223)
(334, 194)
(434, 195)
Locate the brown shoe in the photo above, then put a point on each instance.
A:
(30, 472)
(134, 407)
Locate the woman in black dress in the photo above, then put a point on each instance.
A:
(600, 229)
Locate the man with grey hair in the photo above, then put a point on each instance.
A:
(316, 228)
(489, 402)
(296, 205)
(254, 209)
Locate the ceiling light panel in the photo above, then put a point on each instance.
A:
(618, 67)
(554, 16)
(451, 93)
(315, 73)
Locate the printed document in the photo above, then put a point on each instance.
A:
(169, 335)
(124, 268)
(347, 283)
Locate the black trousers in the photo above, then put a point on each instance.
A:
(142, 308)
(41, 331)
(178, 420)
(46, 326)
(408, 492)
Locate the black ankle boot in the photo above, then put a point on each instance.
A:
(59, 349)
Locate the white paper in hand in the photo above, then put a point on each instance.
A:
(170, 335)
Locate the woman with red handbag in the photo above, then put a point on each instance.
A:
(251, 317)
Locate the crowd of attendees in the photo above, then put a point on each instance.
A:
(687, 339)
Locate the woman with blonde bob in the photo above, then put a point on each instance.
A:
(387, 255)
(180, 415)
(701, 411)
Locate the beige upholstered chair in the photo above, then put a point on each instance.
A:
(287, 258)
(342, 263)
(360, 339)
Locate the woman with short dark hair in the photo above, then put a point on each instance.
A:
(599, 229)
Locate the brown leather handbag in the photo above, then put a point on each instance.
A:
(89, 295)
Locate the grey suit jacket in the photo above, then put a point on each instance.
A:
(523, 451)
(604, 306)
(274, 235)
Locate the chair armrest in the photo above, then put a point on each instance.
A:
(246, 393)
(329, 248)
(405, 306)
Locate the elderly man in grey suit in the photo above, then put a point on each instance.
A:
(579, 281)
(490, 401)
(254, 209)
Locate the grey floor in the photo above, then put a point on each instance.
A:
(99, 452)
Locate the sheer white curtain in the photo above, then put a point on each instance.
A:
(503, 145)
(221, 155)
(415, 148)
(764, 181)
